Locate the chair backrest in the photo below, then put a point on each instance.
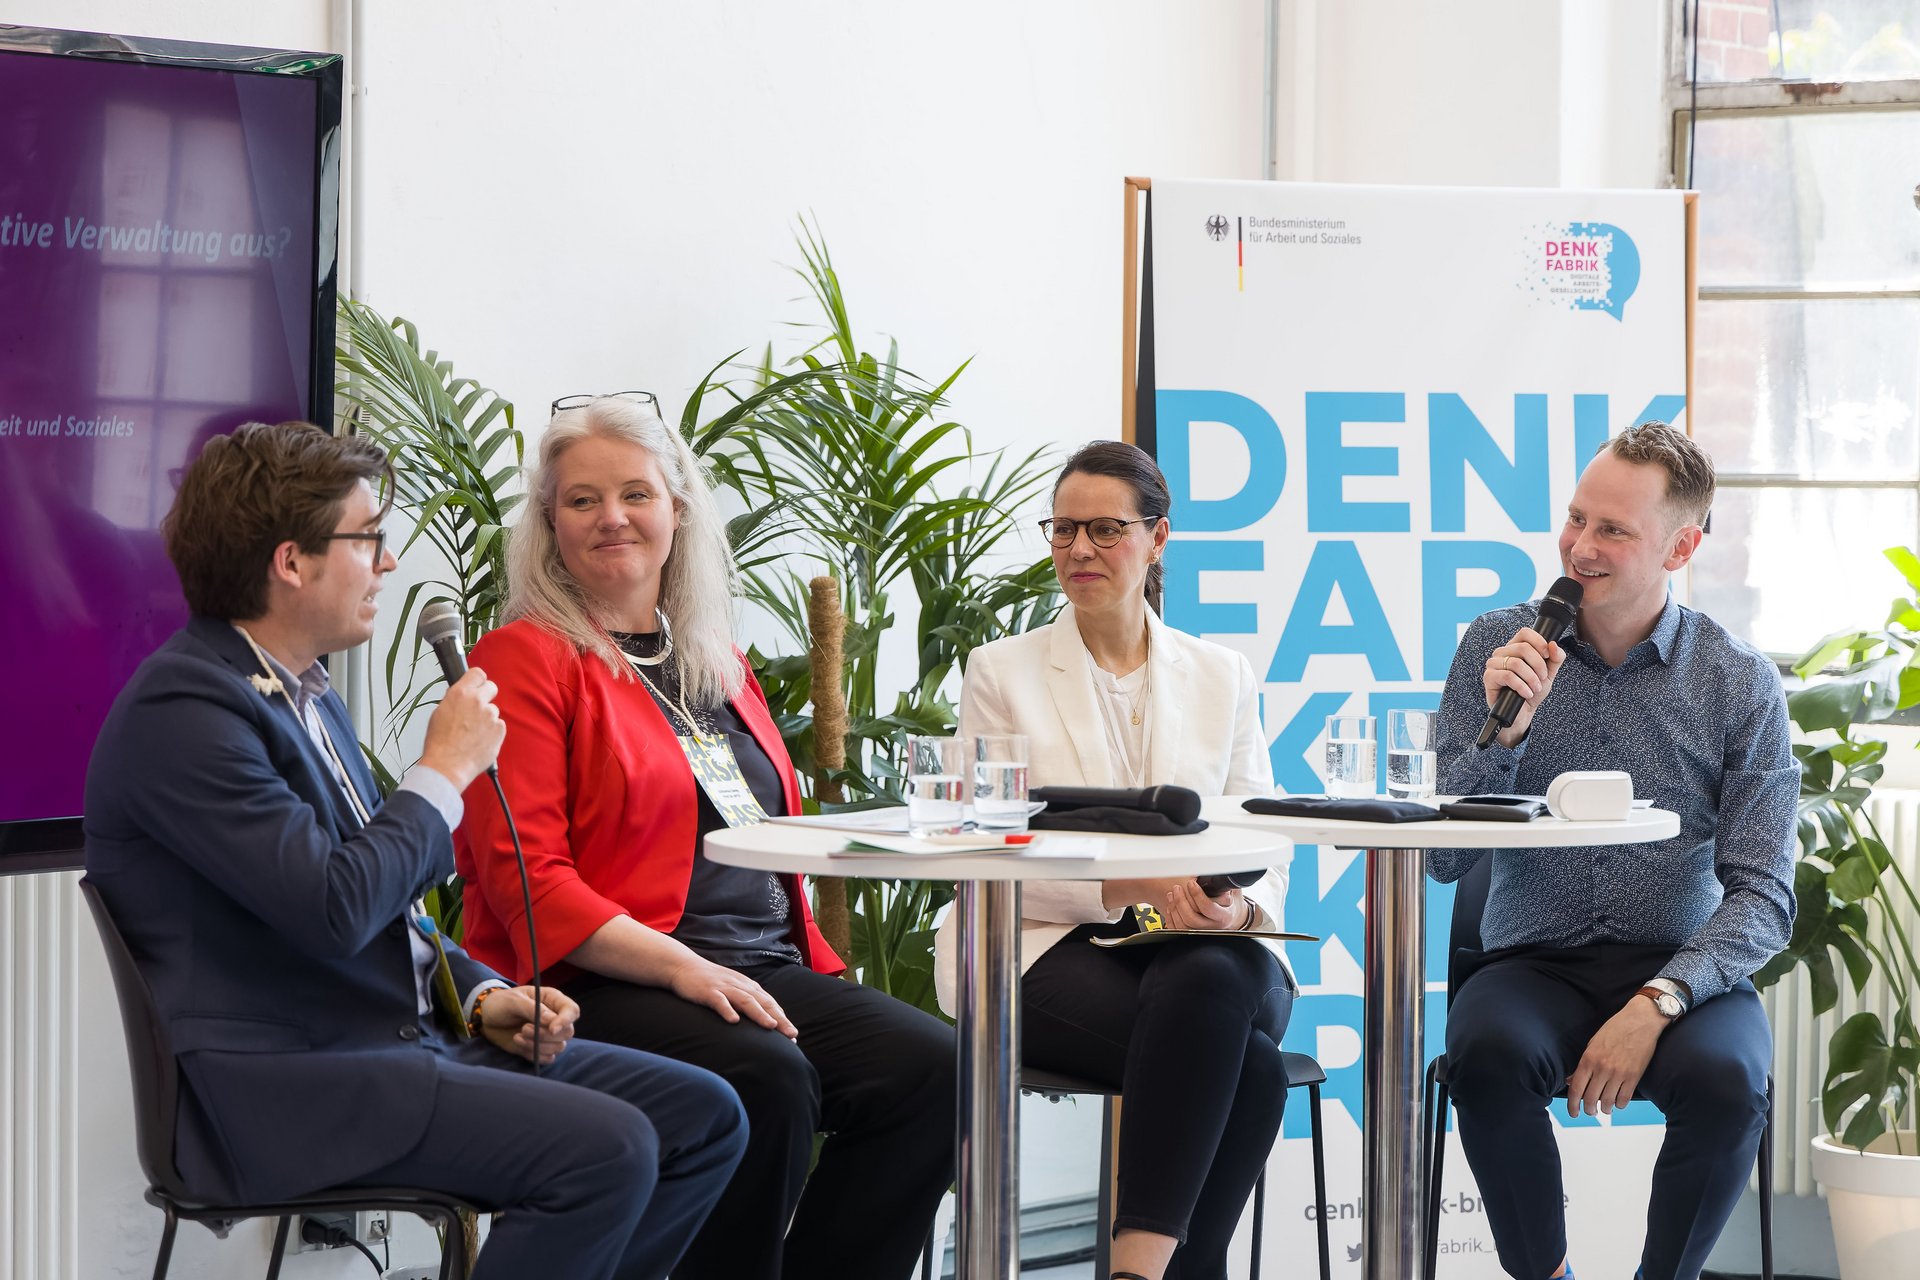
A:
(1463, 938)
(156, 1074)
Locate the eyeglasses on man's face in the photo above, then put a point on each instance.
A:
(574, 402)
(1102, 531)
(378, 537)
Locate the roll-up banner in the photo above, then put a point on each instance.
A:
(1371, 405)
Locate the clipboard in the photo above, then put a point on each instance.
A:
(1162, 935)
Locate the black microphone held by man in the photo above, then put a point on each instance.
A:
(1555, 619)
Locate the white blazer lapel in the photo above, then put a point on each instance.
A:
(1073, 698)
(1167, 730)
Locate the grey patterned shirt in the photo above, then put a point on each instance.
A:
(1700, 721)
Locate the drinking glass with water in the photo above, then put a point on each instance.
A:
(1000, 781)
(1413, 770)
(938, 777)
(1351, 761)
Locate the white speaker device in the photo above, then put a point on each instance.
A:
(1595, 795)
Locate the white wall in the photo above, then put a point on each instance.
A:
(569, 196)
(1497, 93)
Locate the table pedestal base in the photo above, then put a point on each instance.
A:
(1396, 947)
(987, 1031)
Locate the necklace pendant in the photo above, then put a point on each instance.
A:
(1136, 717)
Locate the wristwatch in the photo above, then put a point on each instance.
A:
(1665, 995)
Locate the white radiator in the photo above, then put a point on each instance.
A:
(1800, 1039)
(39, 1063)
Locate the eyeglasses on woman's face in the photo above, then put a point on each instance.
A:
(1102, 531)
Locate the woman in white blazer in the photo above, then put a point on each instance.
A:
(1189, 1031)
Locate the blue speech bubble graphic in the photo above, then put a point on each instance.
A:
(1623, 268)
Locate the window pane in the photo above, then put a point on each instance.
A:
(1784, 567)
(1820, 200)
(1822, 389)
(1823, 40)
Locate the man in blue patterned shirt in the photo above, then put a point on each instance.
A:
(1615, 968)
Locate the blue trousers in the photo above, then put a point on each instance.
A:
(1517, 1029)
(602, 1168)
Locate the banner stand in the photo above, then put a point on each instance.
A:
(1371, 404)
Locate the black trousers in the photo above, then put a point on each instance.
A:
(1189, 1032)
(1516, 1031)
(875, 1075)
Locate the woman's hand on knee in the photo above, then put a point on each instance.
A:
(731, 995)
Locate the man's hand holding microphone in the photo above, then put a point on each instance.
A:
(465, 731)
(1520, 673)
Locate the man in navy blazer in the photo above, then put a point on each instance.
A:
(270, 898)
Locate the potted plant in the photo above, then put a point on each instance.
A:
(1855, 903)
(879, 493)
(844, 468)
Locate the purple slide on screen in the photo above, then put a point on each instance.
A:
(156, 288)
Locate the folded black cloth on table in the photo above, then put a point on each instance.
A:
(1113, 821)
(1333, 807)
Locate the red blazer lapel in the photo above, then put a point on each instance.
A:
(751, 704)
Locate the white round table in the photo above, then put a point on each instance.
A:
(1395, 950)
(987, 1026)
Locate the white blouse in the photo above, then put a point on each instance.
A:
(1118, 698)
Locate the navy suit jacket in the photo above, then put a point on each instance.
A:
(271, 925)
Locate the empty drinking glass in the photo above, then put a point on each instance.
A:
(1000, 781)
(1413, 771)
(938, 773)
(1350, 757)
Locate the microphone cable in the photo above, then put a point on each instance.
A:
(526, 900)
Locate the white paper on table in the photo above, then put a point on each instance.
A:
(1043, 845)
(891, 820)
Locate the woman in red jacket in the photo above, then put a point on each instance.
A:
(617, 669)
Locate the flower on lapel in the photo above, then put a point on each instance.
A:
(266, 686)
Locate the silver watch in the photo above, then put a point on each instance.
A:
(1666, 996)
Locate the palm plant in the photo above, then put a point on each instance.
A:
(1851, 892)
(839, 458)
(871, 486)
(455, 450)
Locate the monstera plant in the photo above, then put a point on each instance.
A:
(1854, 898)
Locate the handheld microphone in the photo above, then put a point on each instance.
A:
(1214, 886)
(440, 627)
(1554, 620)
(1181, 805)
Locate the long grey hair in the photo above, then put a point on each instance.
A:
(696, 581)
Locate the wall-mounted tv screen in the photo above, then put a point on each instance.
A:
(168, 215)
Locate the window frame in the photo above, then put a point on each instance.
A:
(1686, 103)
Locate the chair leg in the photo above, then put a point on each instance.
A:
(1319, 1182)
(1259, 1223)
(165, 1260)
(1103, 1236)
(1437, 1147)
(1766, 1189)
(279, 1248)
(453, 1245)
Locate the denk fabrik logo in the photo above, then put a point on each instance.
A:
(1217, 227)
(1587, 266)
